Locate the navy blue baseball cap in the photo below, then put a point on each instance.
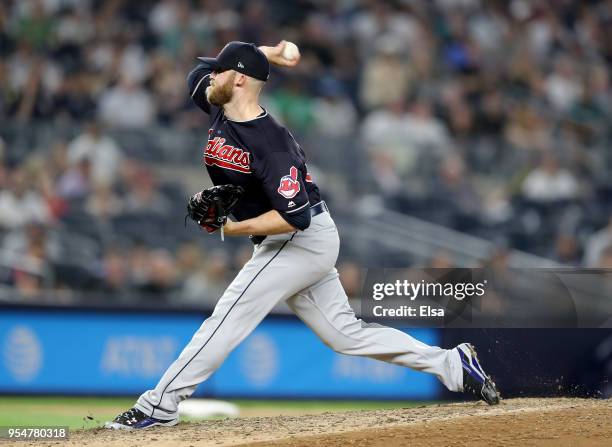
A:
(243, 57)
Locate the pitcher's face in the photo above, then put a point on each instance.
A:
(221, 89)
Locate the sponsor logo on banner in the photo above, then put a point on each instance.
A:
(138, 356)
(22, 354)
(259, 360)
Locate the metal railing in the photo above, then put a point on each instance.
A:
(421, 240)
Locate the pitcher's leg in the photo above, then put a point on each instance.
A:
(325, 309)
(205, 352)
(278, 270)
(249, 298)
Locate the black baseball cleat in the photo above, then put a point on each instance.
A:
(136, 419)
(475, 380)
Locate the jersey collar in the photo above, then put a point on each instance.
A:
(261, 115)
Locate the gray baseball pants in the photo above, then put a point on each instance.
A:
(298, 268)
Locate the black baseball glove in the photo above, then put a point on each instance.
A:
(210, 208)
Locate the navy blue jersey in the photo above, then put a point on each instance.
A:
(259, 155)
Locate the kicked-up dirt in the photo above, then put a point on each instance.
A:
(515, 422)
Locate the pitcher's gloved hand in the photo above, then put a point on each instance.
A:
(210, 208)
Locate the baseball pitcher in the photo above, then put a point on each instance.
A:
(262, 179)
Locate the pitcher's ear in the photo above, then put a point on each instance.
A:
(240, 80)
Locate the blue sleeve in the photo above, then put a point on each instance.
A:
(197, 81)
(299, 219)
(282, 178)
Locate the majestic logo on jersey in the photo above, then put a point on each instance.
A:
(218, 153)
(289, 186)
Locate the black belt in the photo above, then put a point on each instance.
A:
(315, 210)
(319, 208)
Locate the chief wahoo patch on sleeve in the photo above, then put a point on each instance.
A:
(289, 185)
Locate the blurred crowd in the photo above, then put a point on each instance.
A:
(490, 117)
(82, 216)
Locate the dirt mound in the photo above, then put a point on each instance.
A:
(520, 422)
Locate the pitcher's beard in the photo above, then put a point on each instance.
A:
(221, 94)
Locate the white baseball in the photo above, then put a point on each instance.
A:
(291, 51)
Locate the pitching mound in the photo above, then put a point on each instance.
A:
(520, 422)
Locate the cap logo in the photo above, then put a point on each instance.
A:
(240, 65)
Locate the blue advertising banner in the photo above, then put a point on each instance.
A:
(79, 352)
